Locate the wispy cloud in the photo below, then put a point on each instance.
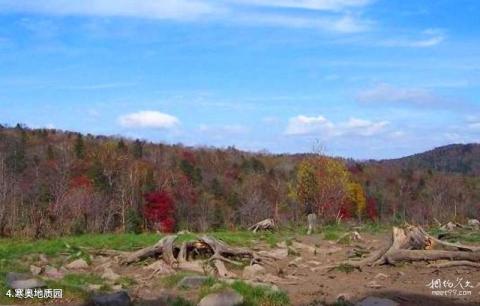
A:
(164, 9)
(329, 14)
(326, 5)
(149, 119)
(429, 38)
(324, 128)
(385, 93)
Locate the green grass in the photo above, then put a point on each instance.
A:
(333, 231)
(259, 296)
(253, 296)
(461, 235)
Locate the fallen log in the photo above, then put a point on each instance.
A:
(412, 243)
(264, 225)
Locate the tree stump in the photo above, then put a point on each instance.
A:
(312, 223)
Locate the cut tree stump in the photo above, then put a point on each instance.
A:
(204, 255)
(264, 225)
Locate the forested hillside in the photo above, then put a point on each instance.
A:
(457, 158)
(57, 183)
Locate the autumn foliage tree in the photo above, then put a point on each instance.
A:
(159, 211)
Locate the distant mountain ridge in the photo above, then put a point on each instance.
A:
(454, 158)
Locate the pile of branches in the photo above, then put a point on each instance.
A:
(412, 243)
(204, 255)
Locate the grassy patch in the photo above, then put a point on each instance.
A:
(258, 296)
(170, 281)
(461, 235)
(345, 268)
(253, 296)
(333, 231)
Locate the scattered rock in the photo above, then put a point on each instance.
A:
(373, 284)
(375, 301)
(117, 287)
(43, 258)
(92, 287)
(474, 223)
(110, 275)
(120, 298)
(224, 298)
(160, 267)
(253, 272)
(282, 244)
(191, 282)
(314, 262)
(279, 253)
(343, 298)
(35, 270)
(52, 272)
(304, 247)
(23, 281)
(295, 262)
(381, 276)
(79, 264)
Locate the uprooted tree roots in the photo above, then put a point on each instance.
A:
(204, 255)
(412, 243)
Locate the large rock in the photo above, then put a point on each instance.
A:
(474, 223)
(110, 275)
(52, 272)
(279, 253)
(120, 298)
(23, 281)
(223, 298)
(79, 264)
(35, 270)
(191, 282)
(253, 272)
(375, 301)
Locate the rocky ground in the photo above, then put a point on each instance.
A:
(301, 269)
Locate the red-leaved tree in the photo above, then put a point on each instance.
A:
(159, 210)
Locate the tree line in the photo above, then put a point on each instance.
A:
(56, 182)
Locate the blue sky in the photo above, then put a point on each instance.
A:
(364, 78)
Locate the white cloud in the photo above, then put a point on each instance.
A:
(149, 119)
(321, 126)
(385, 93)
(364, 127)
(302, 125)
(430, 38)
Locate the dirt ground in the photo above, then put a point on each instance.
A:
(303, 277)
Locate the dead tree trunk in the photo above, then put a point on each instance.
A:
(412, 243)
(312, 223)
(264, 225)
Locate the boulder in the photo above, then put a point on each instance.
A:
(35, 270)
(253, 272)
(120, 298)
(110, 275)
(191, 282)
(474, 223)
(23, 281)
(223, 298)
(375, 301)
(52, 272)
(279, 253)
(79, 264)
